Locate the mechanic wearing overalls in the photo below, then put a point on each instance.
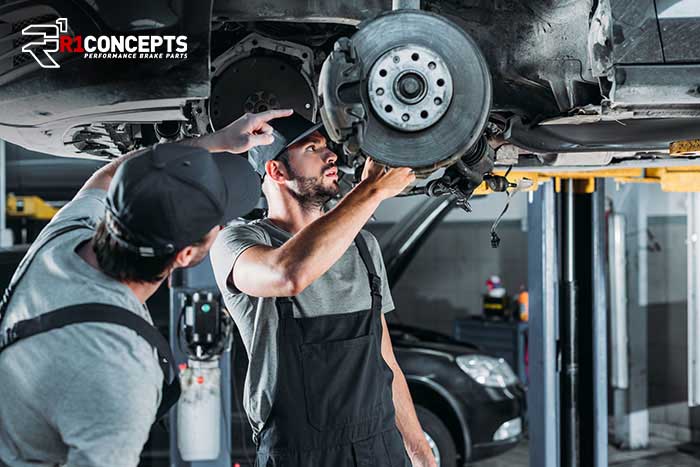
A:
(80, 384)
(307, 291)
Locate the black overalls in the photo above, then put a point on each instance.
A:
(333, 402)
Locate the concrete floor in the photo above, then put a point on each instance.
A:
(663, 453)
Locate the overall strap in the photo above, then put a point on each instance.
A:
(81, 223)
(103, 313)
(375, 281)
(284, 304)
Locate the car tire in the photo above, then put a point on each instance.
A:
(442, 441)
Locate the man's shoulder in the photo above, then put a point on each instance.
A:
(243, 232)
(87, 204)
(243, 228)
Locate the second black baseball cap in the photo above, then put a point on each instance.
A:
(286, 132)
(170, 196)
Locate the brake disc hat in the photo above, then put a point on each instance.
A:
(427, 89)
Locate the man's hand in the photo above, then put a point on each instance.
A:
(388, 182)
(423, 459)
(247, 132)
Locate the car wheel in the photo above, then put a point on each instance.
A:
(438, 437)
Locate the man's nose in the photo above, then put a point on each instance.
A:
(329, 157)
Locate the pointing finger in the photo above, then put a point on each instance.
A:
(272, 114)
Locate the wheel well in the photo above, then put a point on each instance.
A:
(436, 403)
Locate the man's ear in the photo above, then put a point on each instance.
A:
(184, 257)
(276, 171)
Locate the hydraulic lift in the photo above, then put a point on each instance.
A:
(567, 398)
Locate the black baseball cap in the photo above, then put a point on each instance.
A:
(172, 194)
(286, 131)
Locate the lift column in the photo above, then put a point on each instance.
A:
(543, 391)
(582, 324)
(567, 397)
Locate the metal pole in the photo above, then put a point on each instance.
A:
(591, 283)
(693, 222)
(619, 341)
(568, 328)
(600, 329)
(542, 396)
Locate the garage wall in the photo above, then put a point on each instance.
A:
(669, 414)
(447, 277)
(667, 268)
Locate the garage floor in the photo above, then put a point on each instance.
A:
(662, 454)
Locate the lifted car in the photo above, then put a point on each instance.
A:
(468, 86)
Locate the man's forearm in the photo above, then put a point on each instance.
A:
(406, 418)
(315, 248)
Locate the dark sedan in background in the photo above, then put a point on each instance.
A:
(470, 404)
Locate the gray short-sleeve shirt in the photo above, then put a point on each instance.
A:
(344, 288)
(86, 394)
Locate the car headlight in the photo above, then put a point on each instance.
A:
(508, 430)
(488, 371)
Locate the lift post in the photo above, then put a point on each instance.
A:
(543, 393)
(583, 327)
(573, 262)
(568, 330)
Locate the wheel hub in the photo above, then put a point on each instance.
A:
(410, 87)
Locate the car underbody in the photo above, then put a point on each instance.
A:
(534, 84)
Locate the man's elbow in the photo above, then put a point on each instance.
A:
(292, 282)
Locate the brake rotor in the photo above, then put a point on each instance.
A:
(427, 89)
(256, 84)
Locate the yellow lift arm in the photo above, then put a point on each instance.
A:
(30, 207)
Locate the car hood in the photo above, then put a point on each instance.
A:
(410, 337)
(454, 350)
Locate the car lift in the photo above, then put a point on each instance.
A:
(568, 391)
(567, 397)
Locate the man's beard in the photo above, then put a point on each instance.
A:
(311, 193)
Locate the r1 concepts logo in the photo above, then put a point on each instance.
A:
(48, 39)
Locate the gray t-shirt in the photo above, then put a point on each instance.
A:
(344, 288)
(86, 394)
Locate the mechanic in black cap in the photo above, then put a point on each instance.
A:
(308, 290)
(79, 378)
